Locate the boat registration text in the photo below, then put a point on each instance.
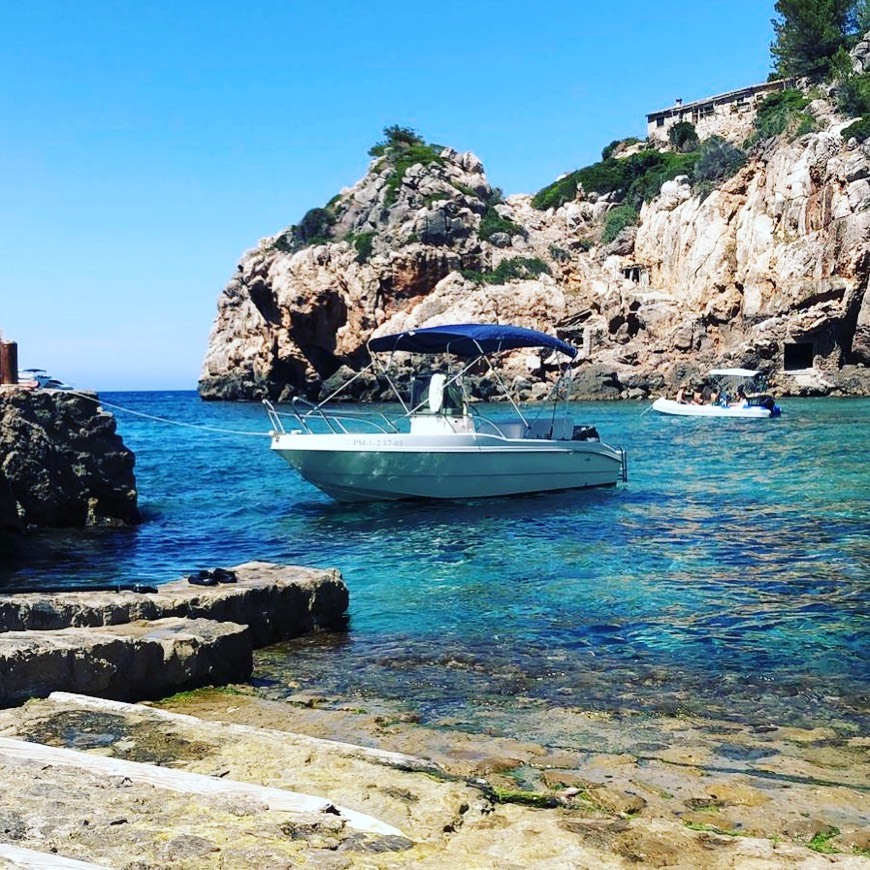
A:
(378, 442)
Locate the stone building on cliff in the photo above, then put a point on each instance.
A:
(729, 115)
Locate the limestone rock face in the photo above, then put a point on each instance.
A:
(290, 318)
(62, 463)
(777, 256)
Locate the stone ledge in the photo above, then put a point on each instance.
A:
(276, 602)
(134, 661)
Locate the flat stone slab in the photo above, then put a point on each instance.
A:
(171, 779)
(276, 602)
(125, 785)
(135, 661)
(89, 813)
(28, 859)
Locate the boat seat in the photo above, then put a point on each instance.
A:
(443, 397)
(436, 392)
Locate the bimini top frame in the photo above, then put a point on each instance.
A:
(471, 341)
(468, 340)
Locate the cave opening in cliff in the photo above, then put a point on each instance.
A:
(798, 356)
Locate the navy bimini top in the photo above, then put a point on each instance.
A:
(468, 340)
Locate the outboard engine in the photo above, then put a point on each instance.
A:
(768, 403)
(585, 433)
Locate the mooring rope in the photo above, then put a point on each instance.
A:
(166, 420)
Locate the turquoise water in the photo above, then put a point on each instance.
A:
(730, 576)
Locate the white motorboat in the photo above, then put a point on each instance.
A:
(40, 379)
(735, 393)
(439, 444)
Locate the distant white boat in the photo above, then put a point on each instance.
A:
(40, 379)
(736, 396)
(439, 445)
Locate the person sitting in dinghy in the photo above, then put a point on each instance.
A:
(740, 400)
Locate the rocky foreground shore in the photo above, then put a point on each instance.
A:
(236, 777)
(385, 792)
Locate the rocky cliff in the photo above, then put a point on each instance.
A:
(768, 270)
(62, 463)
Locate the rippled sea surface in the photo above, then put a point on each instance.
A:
(729, 577)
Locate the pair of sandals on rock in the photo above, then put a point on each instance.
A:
(212, 576)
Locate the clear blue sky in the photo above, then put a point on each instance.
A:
(145, 146)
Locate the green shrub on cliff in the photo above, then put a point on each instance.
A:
(683, 137)
(634, 179)
(562, 190)
(616, 220)
(284, 243)
(648, 184)
(401, 160)
(859, 130)
(396, 136)
(403, 148)
(515, 268)
(492, 222)
(853, 94)
(718, 160)
(618, 144)
(782, 112)
(314, 227)
(363, 243)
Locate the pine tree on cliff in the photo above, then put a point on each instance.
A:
(810, 32)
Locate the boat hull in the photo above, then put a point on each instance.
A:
(392, 467)
(681, 409)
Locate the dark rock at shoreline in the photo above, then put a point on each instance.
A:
(62, 463)
(852, 381)
(595, 382)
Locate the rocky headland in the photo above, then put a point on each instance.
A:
(276, 774)
(763, 266)
(62, 463)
